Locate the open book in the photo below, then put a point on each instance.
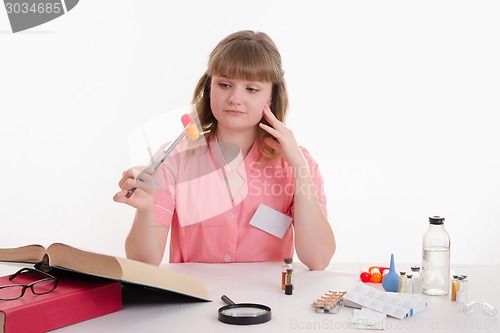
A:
(62, 256)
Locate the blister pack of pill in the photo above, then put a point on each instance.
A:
(329, 302)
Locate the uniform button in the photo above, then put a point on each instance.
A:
(227, 258)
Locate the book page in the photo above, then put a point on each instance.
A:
(65, 256)
(29, 253)
(153, 276)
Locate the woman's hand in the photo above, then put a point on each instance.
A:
(141, 179)
(286, 146)
(314, 239)
(147, 239)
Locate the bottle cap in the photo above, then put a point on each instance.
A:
(436, 220)
(288, 260)
(415, 268)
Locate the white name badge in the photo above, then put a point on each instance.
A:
(271, 221)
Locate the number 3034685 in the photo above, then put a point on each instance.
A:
(35, 8)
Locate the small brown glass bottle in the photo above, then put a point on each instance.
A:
(289, 282)
(287, 264)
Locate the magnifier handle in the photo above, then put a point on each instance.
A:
(227, 300)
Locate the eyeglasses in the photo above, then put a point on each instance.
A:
(40, 287)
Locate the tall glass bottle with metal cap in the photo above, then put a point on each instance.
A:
(436, 258)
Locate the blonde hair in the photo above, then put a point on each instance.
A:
(246, 55)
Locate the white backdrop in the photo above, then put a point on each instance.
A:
(396, 100)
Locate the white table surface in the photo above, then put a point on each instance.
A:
(261, 283)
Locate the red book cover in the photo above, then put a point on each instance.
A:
(75, 299)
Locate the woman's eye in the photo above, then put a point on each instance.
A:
(224, 85)
(250, 89)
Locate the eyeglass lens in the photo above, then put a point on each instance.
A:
(27, 275)
(11, 292)
(38, 288)
(43, 286)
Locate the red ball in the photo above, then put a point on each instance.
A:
(365, 276)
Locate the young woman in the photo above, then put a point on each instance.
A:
(250, 193)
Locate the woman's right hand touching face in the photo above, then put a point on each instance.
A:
(139, 177)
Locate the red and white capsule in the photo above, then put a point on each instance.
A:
(192, 131)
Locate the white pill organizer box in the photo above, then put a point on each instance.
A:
(392, 304)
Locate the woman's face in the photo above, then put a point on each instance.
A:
(238, 104)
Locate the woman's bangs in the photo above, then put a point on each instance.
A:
(240, 62)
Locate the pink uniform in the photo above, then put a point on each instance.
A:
(208, 203)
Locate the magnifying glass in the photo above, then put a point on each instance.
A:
(243, 313)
